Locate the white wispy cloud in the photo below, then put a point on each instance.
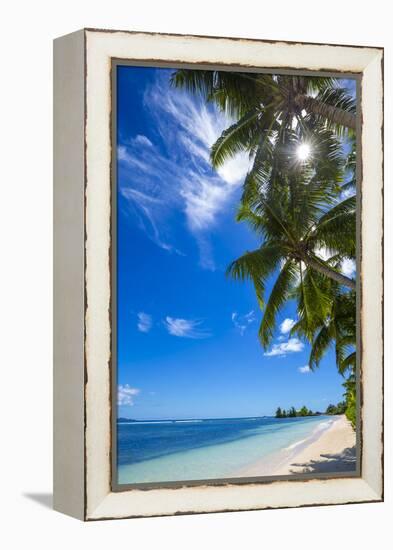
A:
(348, 267)
(145, 322)
(206, 256)
(133, 159)
(293, 345)
(185, 328)
(203, 197)
(143, 140)
(126, 394)
(287, 325)
(304, 370)
(178, 175)
(323, 253)
(242, 322)
(150, 208)
(234, 170)
(198, 127)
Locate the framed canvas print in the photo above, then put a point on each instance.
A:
(218, 274)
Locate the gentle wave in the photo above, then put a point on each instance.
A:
(187, 421)
(319, 428)
(142, 423)
(296, 444)
(323, 426)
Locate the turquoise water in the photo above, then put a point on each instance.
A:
(160, 451)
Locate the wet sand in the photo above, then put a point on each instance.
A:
(332, 451)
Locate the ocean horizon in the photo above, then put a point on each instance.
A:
(184, 449)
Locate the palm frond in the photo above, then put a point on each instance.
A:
(348, 363)
(321, 344)
(235, 139)
(336, 229)
(257, 265)
(278, 296)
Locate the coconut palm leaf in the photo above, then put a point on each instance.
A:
(338, 329)
(315, 300)
(333, 107)
(321, 344)
(257, 265)
(336, 229)
(348, 363)
(236, 93)
(278, 296)
(236, 138)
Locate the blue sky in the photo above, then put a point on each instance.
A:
(187, 335)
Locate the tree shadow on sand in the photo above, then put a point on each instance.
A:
(329, 463)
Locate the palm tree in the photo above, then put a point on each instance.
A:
(297, 218)
(276, 115)
(292, 412)
(350, 399)
(265, 107)
(237, 93)
(338, 329)
(304, 411)
(294, 206)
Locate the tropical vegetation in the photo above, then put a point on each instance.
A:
(340, 408)
(293, 413)
(298, 197)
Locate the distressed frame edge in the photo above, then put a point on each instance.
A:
(233, 38)
(374, 495)
(69, 278)
(117, 487)
(373, 141)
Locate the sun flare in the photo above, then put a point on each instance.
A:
(303, 152)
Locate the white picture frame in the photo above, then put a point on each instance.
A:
(82, 268)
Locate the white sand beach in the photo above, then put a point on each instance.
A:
(332, 451)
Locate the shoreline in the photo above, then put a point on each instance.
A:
(329, 450)
(326, 446)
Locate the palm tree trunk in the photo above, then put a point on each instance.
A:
(328, 272)
(333, 114)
